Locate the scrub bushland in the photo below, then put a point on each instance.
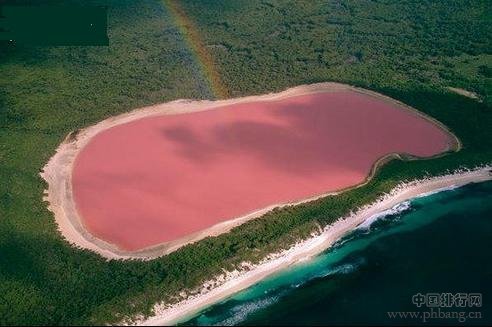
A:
(409, 50)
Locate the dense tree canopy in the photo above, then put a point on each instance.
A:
(409, 50)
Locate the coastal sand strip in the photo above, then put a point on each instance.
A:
(235, 281)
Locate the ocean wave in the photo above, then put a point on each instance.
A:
(443, 189)
(338, 269)
(345, 268)
(240, 312)
(338, 244)
(397, 209)
(342, 269)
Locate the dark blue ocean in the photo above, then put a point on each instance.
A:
(389, 272)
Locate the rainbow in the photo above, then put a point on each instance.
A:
(203, 58)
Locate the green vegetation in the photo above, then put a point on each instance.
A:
(409, 50)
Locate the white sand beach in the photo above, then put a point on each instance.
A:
(232, 282)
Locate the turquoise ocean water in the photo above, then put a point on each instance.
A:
(438, 244)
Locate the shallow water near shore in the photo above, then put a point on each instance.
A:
(439, 243)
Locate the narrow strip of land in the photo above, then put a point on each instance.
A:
(233, 282)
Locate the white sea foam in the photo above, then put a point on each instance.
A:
(343, 269)
(397, 209)
(240, 312)
(346, 268)
(449, 188)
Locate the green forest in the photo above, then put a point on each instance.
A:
(410, 50)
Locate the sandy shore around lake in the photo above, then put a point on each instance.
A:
(232, 282)
(58, 171)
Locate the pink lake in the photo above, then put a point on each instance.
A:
(162, 178)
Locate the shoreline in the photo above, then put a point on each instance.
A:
(232, 282)
(58, 171)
